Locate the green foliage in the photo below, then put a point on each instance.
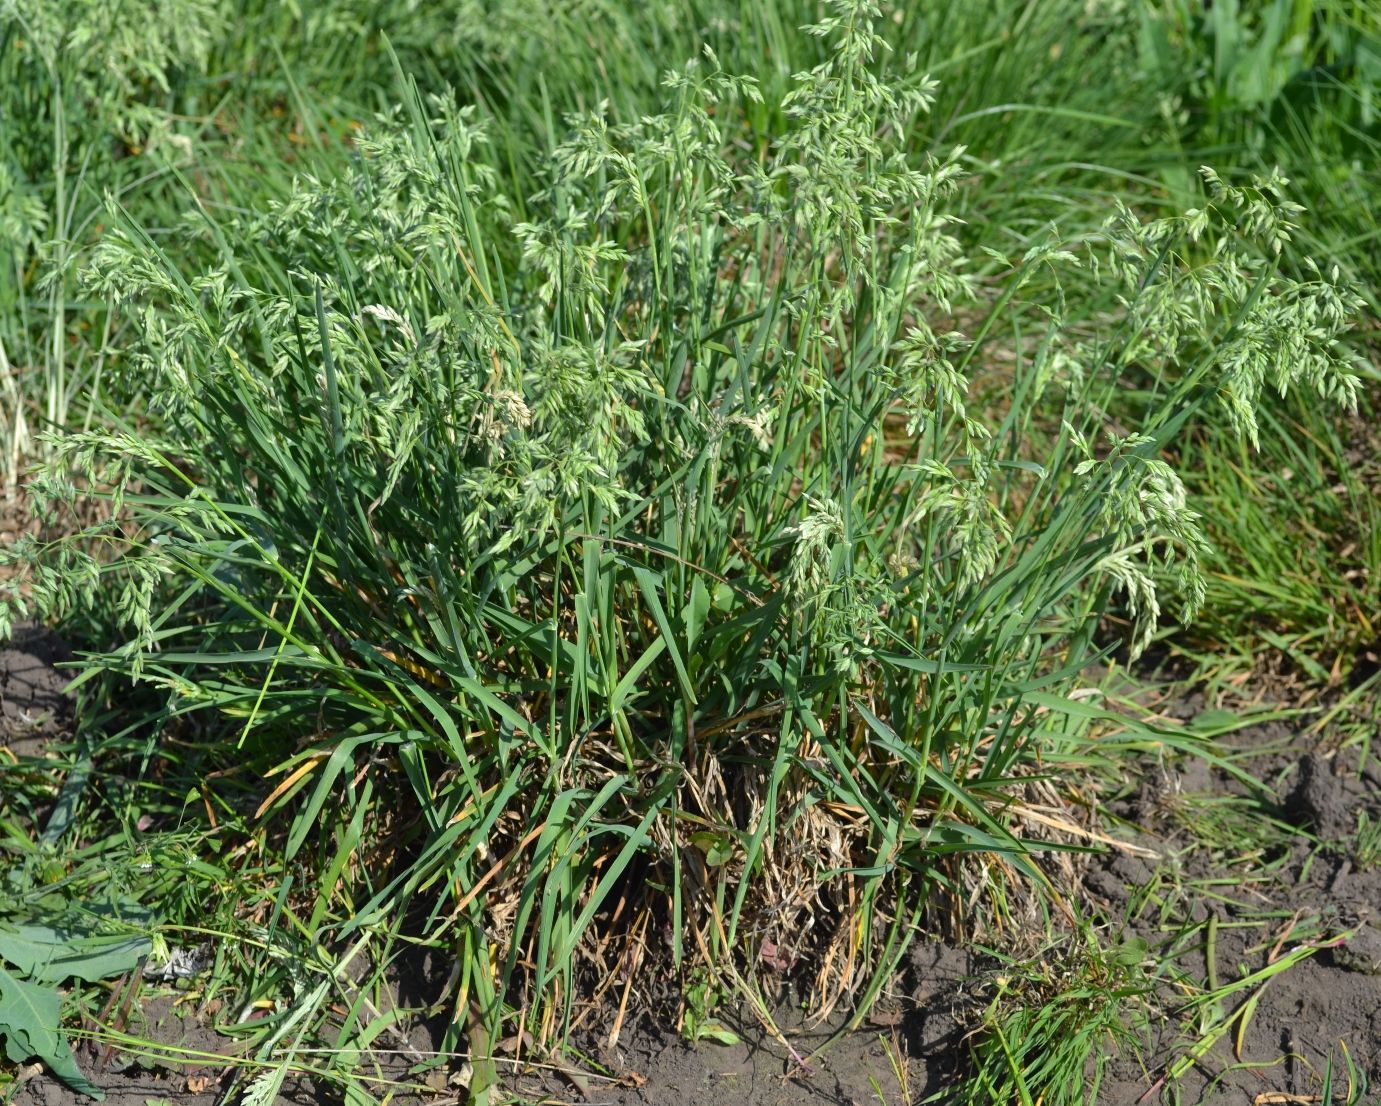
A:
(49, 954)
(699, 1022)
(84, 86)
(101, 63)
(31, 1027)
(1242, 57)
(1367, 843)
(466, 483)
(1055, 1021)
(45, 956)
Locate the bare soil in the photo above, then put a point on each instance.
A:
(33, 706)
(1307, 885)
(1308, 888)
(909, 1049)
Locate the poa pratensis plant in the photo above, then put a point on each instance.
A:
(635, 553)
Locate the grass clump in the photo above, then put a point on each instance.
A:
(651, 537)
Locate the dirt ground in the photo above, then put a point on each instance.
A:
(1307, 889)
(911, 1048)
(1297, 890)
(33, 708)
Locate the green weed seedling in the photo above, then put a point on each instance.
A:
(1366, 843)
(698, 1021)
(1051, 1016)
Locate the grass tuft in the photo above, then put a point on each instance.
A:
(657, 510)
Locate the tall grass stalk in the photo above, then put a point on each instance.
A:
(80, 91)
